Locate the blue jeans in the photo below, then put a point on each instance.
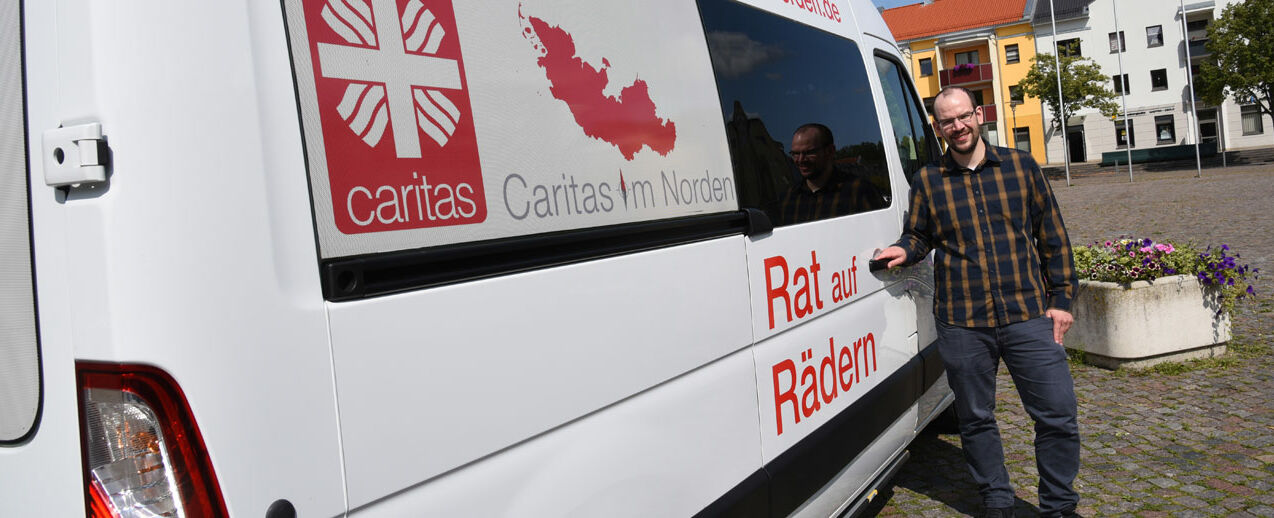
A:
(1043, 378)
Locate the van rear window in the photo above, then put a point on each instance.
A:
(19, 349)
(797, 105)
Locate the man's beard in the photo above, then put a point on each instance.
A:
(968, 148)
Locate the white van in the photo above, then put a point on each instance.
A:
(452, 258)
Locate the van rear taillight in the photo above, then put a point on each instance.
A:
(143, 455)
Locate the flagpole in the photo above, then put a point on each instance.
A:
(1194, 112)
(1061, 101)
(1123, 95)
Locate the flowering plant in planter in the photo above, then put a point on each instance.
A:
(1126, 259)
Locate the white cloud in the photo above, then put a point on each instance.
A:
(735, 54)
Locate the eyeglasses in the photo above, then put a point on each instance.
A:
(965, 119)
(797, 155)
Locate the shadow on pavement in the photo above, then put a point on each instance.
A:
(937, 470)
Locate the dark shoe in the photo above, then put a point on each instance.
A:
(998, 512)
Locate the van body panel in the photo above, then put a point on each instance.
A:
(666, 452)
(804, 272)
(802, 375)
(432, 380)
(528, 144)
(197, 254)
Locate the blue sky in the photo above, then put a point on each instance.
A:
(888, 4)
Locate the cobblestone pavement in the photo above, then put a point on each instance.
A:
(1184, 442)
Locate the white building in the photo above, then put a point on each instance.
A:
(1144, 45)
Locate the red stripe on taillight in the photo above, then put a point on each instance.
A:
(197, 485)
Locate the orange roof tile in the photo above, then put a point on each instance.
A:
(919, 20)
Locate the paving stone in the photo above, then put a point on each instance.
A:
(1262, 510)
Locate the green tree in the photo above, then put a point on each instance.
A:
(1241, 64)
(1083, 86)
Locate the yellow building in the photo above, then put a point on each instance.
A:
(983, 45)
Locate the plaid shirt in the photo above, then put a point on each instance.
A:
(1002, 254)
(844, 193)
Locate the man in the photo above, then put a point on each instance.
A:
(826, 190)
(1004, 277)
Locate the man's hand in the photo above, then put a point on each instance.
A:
(895, 254)
(1062, 321)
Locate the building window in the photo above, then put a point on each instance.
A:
(1252, 124)
(1197, 25)
(1154, 36)
(926, 67)
(1015, 94)
(1069, 48)
(1165, 130)
(1121, 87)
(1159, 79)
(977, 98)
(1022, 139)
(928, 102)
(1010, 53)
(967, 58)
(1124, 135)
(1117, 42)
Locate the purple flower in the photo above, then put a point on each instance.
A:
(1169, 271)
(1251, 291)
(1225, 247)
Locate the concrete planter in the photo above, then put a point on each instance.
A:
(1171, 319)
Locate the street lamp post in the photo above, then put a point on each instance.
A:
(1013, 110)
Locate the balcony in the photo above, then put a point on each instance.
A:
(965, 74)
(1198, 48)
(988, 113)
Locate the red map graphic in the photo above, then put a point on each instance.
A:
(628, 121)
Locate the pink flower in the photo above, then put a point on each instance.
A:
(1146, 249)
(1165, 248)
(1132, 254)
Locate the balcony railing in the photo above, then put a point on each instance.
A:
(988, 113)
(1198, 48)
(965, 74)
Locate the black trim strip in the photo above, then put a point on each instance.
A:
(749, 499)
(933, 368)
(797, 474)
(351, 278)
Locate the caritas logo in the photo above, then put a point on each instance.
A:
(397, 126)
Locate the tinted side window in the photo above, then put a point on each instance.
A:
(784, 86)
(915, 144)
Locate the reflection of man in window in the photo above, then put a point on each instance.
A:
(828, 189)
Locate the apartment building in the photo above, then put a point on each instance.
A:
(983, 45)
(1149, 56)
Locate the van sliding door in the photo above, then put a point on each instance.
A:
(834, 371)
